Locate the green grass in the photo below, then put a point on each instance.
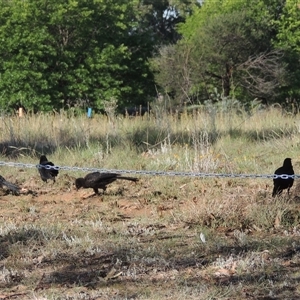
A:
(142, 241)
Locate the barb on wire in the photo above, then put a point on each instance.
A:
(153, 173)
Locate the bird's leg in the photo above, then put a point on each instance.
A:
(96, 191)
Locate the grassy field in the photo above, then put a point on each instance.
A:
(163, 237)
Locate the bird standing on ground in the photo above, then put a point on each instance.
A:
(47, 173)
(281, 184)
(97, 180)
(12, 187)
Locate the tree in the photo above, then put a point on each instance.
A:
(161, 17)
(57, 54)
(288, 40)
(175, 71)
(226, 45)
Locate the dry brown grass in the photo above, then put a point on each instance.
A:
(164, 237)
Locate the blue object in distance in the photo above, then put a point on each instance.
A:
(89, 112)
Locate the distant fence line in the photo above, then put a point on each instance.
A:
(153, 173)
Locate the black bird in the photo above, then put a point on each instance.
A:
(47, 173)
(12, 187)
(281, 184)
(97, 180)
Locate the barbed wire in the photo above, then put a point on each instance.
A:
(145, 172)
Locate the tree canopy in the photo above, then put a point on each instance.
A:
(288, 39)
(228, 45)
(59, 54)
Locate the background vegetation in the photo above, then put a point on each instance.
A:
(62, 54)
(228, 70)
(164, 237)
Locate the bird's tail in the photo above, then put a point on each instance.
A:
(276, 192)
(11, 186)
(128, 178)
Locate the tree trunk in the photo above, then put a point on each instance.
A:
(226, 80)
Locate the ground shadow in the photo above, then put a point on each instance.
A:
(138, 264)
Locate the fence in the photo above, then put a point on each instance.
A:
(153, 173)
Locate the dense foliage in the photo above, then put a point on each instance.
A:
(288, 38)
(57, 54)
(60, 54)
(242, 49)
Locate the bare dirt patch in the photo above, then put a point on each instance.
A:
(137, 241)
